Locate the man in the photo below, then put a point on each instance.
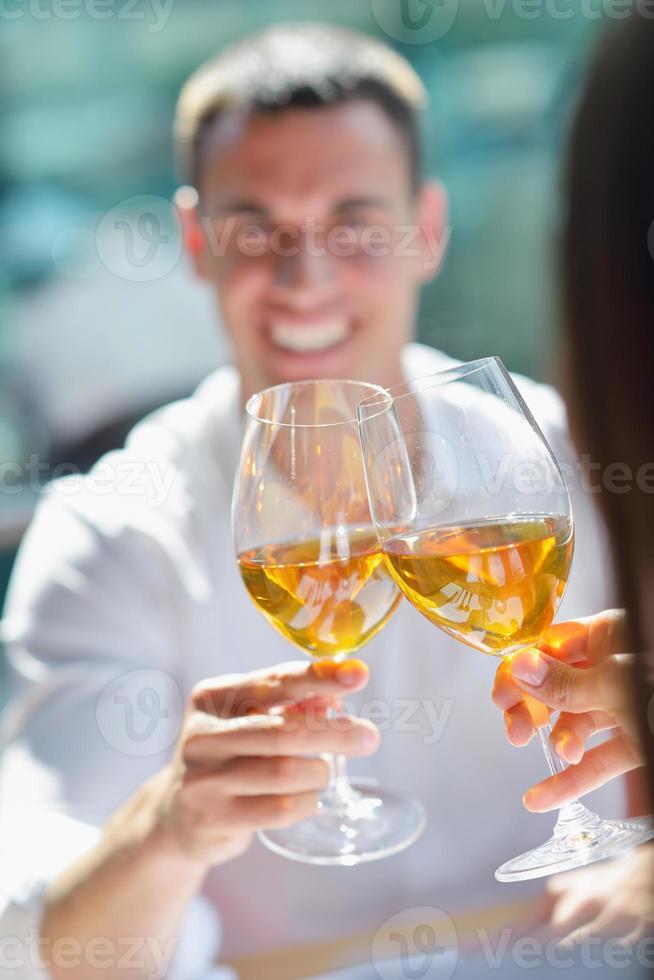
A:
(299, 144)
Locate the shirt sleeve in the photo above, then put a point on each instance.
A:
(21, 910)
(96, 702)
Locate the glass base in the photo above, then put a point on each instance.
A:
(580, 837)
(367, 824)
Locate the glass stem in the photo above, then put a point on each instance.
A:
(553, 762)
(574, 817)
(339, 792)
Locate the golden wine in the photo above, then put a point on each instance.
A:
(493, 584)
(328, 595)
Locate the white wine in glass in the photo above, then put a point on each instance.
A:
(310, 559)
(494, 583)
(475, 523)
(327, 601)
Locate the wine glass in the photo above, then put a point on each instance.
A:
(310, 560)
(475, 523)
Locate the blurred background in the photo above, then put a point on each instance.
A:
(90, 342)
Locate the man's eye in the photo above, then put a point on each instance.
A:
(356, 222)
(254, 228)
(365, 219)
(253, 233)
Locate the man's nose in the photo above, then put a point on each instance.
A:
(304, 267)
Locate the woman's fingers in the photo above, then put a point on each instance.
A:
(564, 688)
(508, 689)
(599, 765)
(571, 732)
(506, 693)
(573, 911)
(608, 924)
(591, 639)
(519, 725)
(555, 683)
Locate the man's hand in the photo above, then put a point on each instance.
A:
(580, 669)
(242, 763)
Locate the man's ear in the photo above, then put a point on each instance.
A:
(435, 230)
(185, 201)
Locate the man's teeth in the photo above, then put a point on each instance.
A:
(305, 338)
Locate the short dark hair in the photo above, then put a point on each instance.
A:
(298, 66)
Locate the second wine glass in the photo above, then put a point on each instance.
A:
(310, 560)
(475, 523)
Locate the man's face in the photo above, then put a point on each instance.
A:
(314, 242)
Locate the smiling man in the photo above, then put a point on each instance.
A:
(310, 219)
(306, 211)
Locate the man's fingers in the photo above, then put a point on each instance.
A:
(571, 732)
(239, 694)
(212, 741)
(599, 765)
(244, 814)
(268, 812)
(256, 776)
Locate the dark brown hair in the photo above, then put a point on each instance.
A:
(297, 66)
(608, 278)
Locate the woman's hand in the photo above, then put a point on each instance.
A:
(613, 900)
(580, 669)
